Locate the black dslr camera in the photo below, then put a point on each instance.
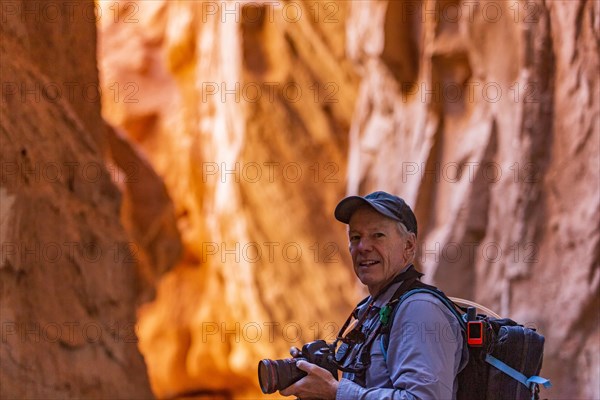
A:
(274, 375)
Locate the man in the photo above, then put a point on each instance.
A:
(425, 351)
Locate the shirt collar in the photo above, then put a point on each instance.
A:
(385, 297)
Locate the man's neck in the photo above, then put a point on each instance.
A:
(378, 290)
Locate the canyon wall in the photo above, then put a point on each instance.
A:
(245, 115)
(486, 118)
(77, 258)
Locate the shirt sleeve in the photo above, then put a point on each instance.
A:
(424, 354)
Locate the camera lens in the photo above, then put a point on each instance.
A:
(267, 376)
(274, 375)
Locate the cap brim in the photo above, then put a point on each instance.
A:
(344, 210)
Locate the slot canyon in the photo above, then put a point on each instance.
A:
(170, 171)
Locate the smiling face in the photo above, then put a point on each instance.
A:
(379, 251)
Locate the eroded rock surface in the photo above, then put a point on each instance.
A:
(245, 115)
(492, 130)
(68, 285)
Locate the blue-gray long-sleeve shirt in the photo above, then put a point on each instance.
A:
(424, 355)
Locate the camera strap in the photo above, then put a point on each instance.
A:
(357, 342)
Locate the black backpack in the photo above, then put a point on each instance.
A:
(505, 358)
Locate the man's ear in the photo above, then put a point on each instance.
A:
(411, 244)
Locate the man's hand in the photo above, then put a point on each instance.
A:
(318, 384)
(294, 351)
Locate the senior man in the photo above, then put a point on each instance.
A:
(425, 349)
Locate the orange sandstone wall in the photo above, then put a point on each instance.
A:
(69, 275)
(244, 111)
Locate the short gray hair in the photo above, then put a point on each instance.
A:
(405, 233)
(403, 230)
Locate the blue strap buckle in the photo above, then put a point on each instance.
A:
(531, 383)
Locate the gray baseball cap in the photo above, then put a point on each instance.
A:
(384, 203)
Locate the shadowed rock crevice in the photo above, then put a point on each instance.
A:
(450, 84)
(147, 213)
(256, 57)
(425, 201)
(402, 46)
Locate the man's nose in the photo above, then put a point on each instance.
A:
(364, 245)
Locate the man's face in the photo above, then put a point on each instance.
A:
(378, 250)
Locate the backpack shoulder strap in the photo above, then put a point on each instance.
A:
(453, 307)
(398, 298)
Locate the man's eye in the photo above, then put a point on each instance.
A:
(354, 238)
(379, 235)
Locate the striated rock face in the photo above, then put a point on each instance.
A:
(244, 111)
(70, 273)
(488, 123)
